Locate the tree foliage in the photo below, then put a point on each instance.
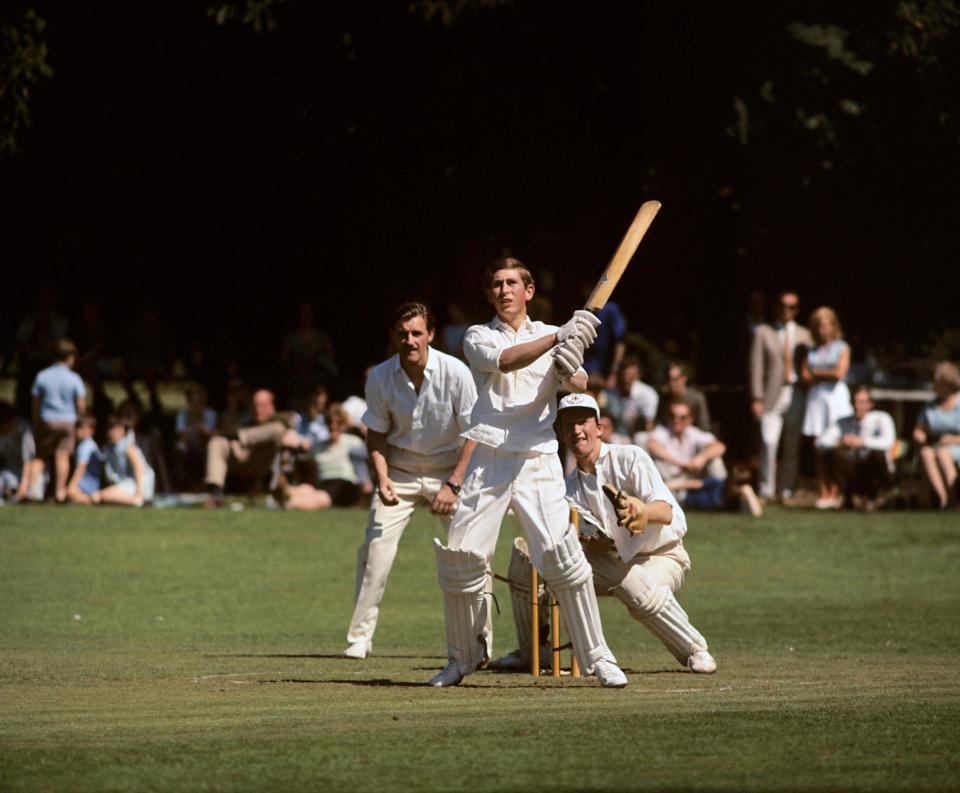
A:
(23, 65)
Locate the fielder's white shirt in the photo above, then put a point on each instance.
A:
(423, 430)
(631, 469)
(515, 410)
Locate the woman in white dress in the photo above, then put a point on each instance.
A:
(828, 398)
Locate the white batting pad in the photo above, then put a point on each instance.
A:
(463, 579)
(568, 576)
(655, 606)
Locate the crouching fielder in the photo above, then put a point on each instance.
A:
(631, 530)
(519, 366)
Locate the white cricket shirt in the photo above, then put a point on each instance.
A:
(515, 410)
(423, 430)
(631, 469)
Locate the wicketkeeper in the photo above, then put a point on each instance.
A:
(632, 534)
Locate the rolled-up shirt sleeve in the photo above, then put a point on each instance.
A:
(376, 417)
(466, 397)
(481, 349)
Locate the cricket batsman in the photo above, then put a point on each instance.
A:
(519, 366)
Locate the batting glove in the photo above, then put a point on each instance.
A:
(568, 356)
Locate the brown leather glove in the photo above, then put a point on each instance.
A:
(631, 511)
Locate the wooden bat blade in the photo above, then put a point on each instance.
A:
(628, 246)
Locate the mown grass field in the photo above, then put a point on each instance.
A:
(190, 650)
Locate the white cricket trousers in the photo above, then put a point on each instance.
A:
(379, 548)
(529, 482)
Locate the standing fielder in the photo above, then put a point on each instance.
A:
(631, 529)
(517, 363)
(418, 403)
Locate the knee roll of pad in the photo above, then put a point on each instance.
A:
(460, 571)
(462, 575)
(565, 566)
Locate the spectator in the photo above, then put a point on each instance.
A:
(59, 396)
(828, 398)
(857, 452)
(632, 403)
(691, 462)
(454, 330)
(147, 434)
(676, 387)
(37, 335)
(17, 451)
(95, 361)
(312, 424)
(608, 433)
(306, 357)
(336, 480)
(236, 411)
(130, 479)
(356, 407)
(249, 451)
(605, 354)
(84, 486)
(938, 433)
(150, 352)
(194, 426)
(779, 398)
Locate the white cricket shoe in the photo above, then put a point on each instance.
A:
(359, 650)
(450, 676)
(702, 663)
(609, 675)
(517, 662)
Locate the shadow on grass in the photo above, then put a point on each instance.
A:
(324, 656)
(381, 682)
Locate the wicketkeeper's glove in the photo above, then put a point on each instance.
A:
(631, 511)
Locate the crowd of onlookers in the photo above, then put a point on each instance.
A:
(67, 440)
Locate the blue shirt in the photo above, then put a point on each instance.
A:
(58, 387)
(88, 453)
(613, 329)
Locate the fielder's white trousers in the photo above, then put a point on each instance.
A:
(384, 529)
(529, 482)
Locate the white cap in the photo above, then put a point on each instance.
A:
(579, 401)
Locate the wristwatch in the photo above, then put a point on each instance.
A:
(454, 488)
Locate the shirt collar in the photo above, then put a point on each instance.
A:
(498, 324)
(432, 362)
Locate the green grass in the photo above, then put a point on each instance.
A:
(192, 650)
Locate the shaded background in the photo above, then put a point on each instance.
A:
(223, 168)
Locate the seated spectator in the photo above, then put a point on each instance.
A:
(857, 452)
(17, 451)
(194, 426)
(691, 462)
(59, 396)
(84, 485)
(250, 450)
(632, 403)
(677, 387)
(312, 423)
(130, 480)
(356, 406)
(337, 480)
(938, 434)
(236, 411)
(145, 432)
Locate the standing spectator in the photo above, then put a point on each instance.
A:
(677, 387)
(691, 462)
(779, 399)
(306, 357)
(59, 396)
(857, 451)
(95, 361)
(17, 450)
(84, 486)
(828, 398)
(938, 433)
(36, 338)
(606, 353)
(631, 402)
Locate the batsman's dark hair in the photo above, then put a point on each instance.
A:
(507, 263)
(408, 311)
